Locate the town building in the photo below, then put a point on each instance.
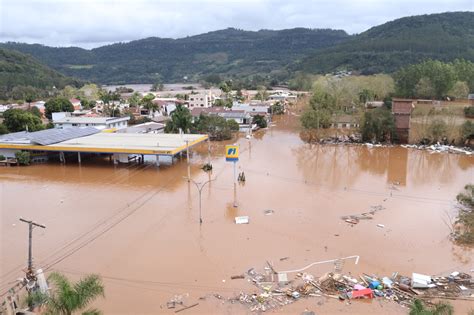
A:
(345, 122)
(402, 109)
(200, 100)
(64, 120)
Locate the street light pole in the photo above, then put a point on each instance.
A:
(31, 225)
(199, 187)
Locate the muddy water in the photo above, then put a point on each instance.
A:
(138, 226)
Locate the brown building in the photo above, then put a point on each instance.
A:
(401, 109)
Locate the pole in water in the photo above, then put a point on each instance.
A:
(235, 189)
(31, 225)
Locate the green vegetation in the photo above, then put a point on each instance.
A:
(218, 128)
(231, 53)
(3, 129)
(22, 77)
(435, 80)
(15, 120)
(378, 125)
(469, 111)
(23, 157)
(69, 298)
(278, 108)
(181, 119)
(467, 130)
(260, 121)
(464, 225)
(440, 308)
(2, 157)
(390, 46)
(58, 104)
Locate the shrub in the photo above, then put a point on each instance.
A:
(23, 157)
(469, 111)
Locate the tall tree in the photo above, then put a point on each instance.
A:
(180, 119)
(58, 104)
(19, 120)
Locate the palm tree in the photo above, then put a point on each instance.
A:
(68, 297)
(441, 308)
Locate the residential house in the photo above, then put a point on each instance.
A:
(470, 97)
(76, 103)
(373, 104)
(345, 122)
(205, 100)
(64, 120)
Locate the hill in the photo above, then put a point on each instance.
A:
(404, 41)
(230, 52)
(21, 70)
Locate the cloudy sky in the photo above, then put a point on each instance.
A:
(92, 23)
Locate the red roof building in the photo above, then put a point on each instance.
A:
(401, 109)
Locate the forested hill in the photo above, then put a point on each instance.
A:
(228, 52)
(17, 69)
(408, 40)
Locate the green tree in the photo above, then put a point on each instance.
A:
(425, 89)
(180, 119)
(366, 95)
(437, 129)
(35, 111)
(378, 125)
(262, 94)
(67, 298)
(55, 105)
(134, 99)
(19, 120)
(418, 308)
(3, 129)
(218, 128)
(278, 108)
(147, 102)
(315, 119)
(460, 90)
(260, 121)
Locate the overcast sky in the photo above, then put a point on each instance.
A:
(92, 23)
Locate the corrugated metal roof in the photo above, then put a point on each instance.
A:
(48, 136)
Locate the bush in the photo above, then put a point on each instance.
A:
(469, 111)
(2, 157)
(465, 222)
(467, 130)
(3, 129)
(23, 157)
(260, 121)
(438, 129)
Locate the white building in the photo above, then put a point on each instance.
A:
(204, 100)
(65, 120)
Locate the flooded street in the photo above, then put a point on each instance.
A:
(138, 226)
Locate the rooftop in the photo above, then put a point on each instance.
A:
(89, 120)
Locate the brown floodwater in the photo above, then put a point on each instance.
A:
(138, 226)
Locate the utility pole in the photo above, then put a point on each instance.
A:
(187, 160)
(31, 225)
(199, 187)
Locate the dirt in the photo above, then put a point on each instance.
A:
(138, 226)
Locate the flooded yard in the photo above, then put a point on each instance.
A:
(138, 226)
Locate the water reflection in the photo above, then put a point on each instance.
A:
(343, 165)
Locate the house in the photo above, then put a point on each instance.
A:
(240, 116)
(401, 109)
(66, 120)
(345, 122)
(280, 95)
(263, 110)
(149, 127)
(470, 97)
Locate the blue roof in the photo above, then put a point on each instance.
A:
(48, 136)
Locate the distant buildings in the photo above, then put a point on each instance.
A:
(279, 95)
(66, 120)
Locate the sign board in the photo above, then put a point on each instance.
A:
(231, 153)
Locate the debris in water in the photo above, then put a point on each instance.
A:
(381, 226)
(242, 220)
(268, 212)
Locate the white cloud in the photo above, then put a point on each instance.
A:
(91, 23)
